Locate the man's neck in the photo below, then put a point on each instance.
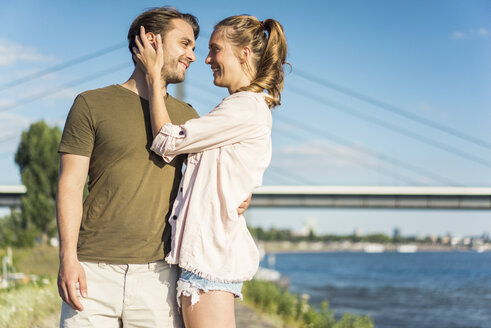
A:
(137, 83)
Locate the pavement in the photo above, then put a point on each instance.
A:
(245, 317)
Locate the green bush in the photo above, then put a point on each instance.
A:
(295, 310)
(353, 321)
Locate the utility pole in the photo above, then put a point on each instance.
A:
(6, 261)
(180, 91)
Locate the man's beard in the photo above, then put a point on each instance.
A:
(172, 73)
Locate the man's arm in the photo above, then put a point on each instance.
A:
(73, 174)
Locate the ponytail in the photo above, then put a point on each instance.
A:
(268, 45)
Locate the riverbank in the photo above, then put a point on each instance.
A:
(346, 246)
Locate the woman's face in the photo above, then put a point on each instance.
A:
(228, 69)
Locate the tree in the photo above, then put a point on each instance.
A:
(311, 236)
(38, 162)
(16, 231)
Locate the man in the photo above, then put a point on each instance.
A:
(111, 247)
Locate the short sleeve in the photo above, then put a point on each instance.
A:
(78, 134)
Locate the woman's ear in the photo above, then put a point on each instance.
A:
(246, 54)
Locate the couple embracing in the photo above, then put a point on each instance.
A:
(150, 243)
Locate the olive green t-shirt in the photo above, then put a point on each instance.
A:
(131, 189)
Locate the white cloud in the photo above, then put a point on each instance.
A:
(323, 162)
(483, 32)
(12, 123)
(11, 127)
(11, 53)
(458, 35)
(470, 34)
(428, 109)
(319, 153)
(14, 96)
(66, 93)
(5, 103)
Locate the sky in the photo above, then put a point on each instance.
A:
(370, 81)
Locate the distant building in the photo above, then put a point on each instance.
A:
(454, 241)
(309, 225)
(396, 234)
(445, 240)
(433, 238)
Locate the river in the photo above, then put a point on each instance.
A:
(423, 290)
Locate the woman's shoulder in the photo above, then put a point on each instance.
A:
(248, 98)
(248, 94)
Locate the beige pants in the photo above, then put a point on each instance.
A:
(127, 295)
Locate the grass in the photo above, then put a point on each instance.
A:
(28, 305)
(41, 260)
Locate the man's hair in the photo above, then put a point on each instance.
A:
(159, 21)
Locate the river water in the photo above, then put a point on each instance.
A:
(423, 290)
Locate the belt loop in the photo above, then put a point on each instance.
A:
(149, 266)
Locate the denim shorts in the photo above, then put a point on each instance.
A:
(190, 284)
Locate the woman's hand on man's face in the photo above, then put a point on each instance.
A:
(148, 53)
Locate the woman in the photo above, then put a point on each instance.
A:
(229, 150)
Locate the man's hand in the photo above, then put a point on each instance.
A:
(244, 205)
(71, 273)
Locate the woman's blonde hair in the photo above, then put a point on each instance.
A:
(268, 45)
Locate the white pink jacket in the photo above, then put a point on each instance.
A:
(229, 150)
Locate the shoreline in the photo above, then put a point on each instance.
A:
(332, 247)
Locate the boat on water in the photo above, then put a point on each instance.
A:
(269, 274)
(481, 248)
(407, 248)
(374, 248)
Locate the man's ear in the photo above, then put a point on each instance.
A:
(152, 38)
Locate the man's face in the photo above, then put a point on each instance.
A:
(178, 45)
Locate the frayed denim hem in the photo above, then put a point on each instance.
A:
(190, 284)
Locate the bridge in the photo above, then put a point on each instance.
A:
(343, 197)
(373, 197)
(10, 195)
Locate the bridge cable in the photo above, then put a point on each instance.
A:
(430, 123)
(61, 66)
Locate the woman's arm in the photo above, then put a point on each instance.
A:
(150, 59)
(237, 118)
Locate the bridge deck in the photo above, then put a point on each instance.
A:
(343, 197)
(373, 197)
